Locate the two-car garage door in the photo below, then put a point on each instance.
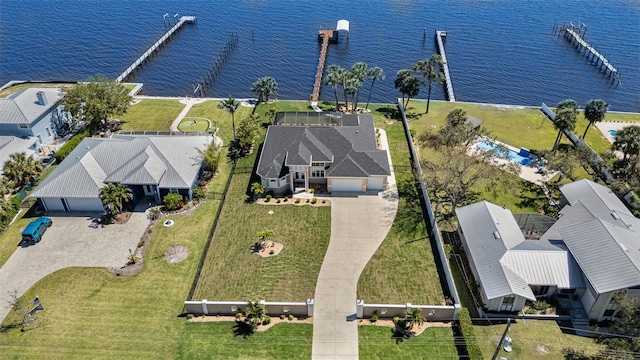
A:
(72, 204)
(346, 185)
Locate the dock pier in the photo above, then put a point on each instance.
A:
(201, 86)
(325, 36)
(575, 35)
(440, 40)
(183, 20)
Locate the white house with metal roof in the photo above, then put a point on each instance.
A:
(341, 155)
(152, 166)
(591, 252)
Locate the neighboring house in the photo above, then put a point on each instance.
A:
(590, 253)
(343, 156)
(32, 113)
(152, 166)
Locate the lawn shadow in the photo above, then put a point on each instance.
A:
(243, 329)
(398, 335)
(534, 196)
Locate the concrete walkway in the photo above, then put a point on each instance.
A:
(69, 242)
(189, 102)
(359, 224)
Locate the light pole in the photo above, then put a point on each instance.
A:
(504, 334)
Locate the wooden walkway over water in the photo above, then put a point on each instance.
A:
(326, 36)
(183, 20)
(440, 36)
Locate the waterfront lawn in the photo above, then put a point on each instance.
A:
(377, 342)
(232, 272)
(217, 340)
(531, 338)
(403, 268)
(517, 126)
(151, 114)
(193, 125)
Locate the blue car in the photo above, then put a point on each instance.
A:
(34, 231)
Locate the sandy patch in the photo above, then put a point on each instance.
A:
(274, 320)
(417, 330)
(176, 254)
(272, 249)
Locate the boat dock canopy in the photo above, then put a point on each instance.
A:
(343, 25)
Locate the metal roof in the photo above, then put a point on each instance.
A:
(167, 161)
(350, 151)
(24, 108)
(598, 199)
(557, 267)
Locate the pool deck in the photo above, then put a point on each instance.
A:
(605, 126)
(528, 172)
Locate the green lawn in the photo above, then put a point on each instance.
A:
(193, 125)
(151, 114)
(402, 269)
(217, 340)
(290, 276)
(377, 342)
(15, 88)
(528, 336)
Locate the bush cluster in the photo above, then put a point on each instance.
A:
(173, 201)
(71, 144)
(466, 327)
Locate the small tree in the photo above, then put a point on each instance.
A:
(114, 196)
(431, 70)
(413, 318)
(21, 169)
(257, 189)
(173, 201)
(264, 238)
(565, 120)
(408, 85)
(594, 112)
(210, 157)
(255, 313)
(230, 105)
(248, 131)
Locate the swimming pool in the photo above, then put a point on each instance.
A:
(613, 132)
(510, 155)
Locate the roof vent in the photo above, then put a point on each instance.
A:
(496, 235)
(42, 99)
(624, 248)
(615, 216)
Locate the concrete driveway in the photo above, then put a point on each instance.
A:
(69, 242)
(358, 227)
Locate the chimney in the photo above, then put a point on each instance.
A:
(42, 99)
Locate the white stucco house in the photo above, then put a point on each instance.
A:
(340, 152)
(151, 166)
(590, 253)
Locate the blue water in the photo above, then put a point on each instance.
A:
(613, 133)
(509, 155)
(499, 51)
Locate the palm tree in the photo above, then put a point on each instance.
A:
(230, 105)
(594, 112)
(264, 87)
(357, 77)
(114, 196)
(431, 70)
(413, 318)
(22, 169)
(255, 313)
(6, 186)
(265, 237)
(374, 74)
(257, 189)
(408, 85)
(568, 104)
(627, 140)
(333, 79)
(565, 120)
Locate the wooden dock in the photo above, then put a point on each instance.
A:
(576, 36)
(440, 35)
(183, 20)
(326, 36)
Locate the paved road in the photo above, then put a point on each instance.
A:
(69, 242)
(358, 227)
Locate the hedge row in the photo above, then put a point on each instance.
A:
(10, 212)
(71, 144)
(473, 350)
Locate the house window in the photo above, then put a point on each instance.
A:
(317, 164)
(317, 173)
(23, 126)
(283, 179)
(272, 183)
(508, 299)
(611, 309)
(608, 313)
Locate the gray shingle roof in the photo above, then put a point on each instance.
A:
(350, 150)
(168, 161)
(23, 107)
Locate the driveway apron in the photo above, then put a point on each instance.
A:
(358, 226)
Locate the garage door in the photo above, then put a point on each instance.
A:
(346, 185)
(53, 204)
(84, 204)
(374, 184)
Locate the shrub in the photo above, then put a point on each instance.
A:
(291, 317)
(396, 319)
(267, 320)
(71, 144)
(154, 213)
(466, 327)
(532, 311)
(374, 317)
(239, 315)
(314, 200)
(283, 316)
(271, 252)
(286, 198)
(141, 243)
(541, 305)
(268, 198)
(278, 201)
(173, 202)
(307, 201)
(189, 316)
(297, 200)
(199, 193)
(324, 201)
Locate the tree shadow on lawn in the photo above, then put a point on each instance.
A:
(532, 197)
(393, 113)
(399, 335)
(243, 329)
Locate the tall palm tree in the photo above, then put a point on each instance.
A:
(257, 189)
(357, 77)
(333, 79)
(255, 313)
(114, 196)
(565, 120)
(568, 104)
(408, 85)
(264, 87)
(401, 79)
(413, 318)
(374, 74)
(431, 70)
(594, 112)
(22, 169)
(627, 140)
(230, 105)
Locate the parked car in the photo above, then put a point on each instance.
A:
(34, 231)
